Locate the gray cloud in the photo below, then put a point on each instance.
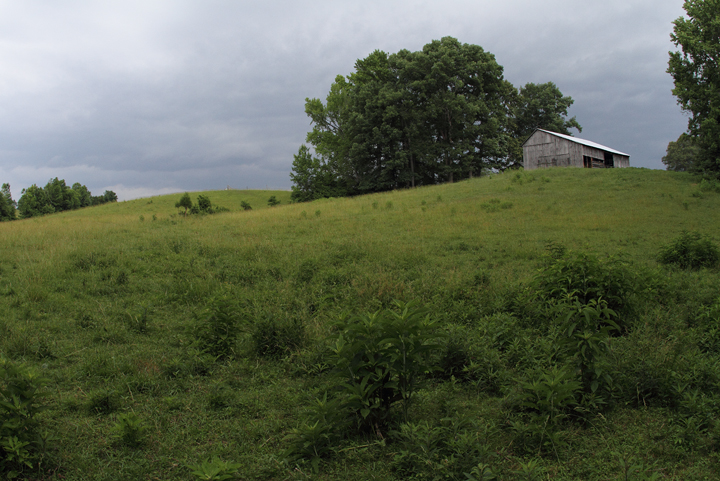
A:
(151, 97)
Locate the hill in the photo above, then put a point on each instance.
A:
(166, 341)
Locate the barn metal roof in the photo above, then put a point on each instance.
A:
(581, 141)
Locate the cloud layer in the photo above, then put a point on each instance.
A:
(155, 97)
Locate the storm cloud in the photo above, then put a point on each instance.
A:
(166, 96)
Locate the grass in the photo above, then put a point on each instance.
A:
(103, 301)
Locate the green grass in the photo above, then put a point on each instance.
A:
(102, 301)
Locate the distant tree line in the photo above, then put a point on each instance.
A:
(56, 196)
(416, 118)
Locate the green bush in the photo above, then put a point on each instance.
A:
(381, 359)
(690, 250)
(21, 442)
(570, 278)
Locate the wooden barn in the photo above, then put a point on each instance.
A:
(550, 149)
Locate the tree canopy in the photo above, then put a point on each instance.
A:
(7, 204)
(441, 114)
(56, 196)
(696, 73)
(682, 154)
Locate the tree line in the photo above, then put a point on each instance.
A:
(438, 115)
(56, 196)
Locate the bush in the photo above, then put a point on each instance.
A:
(570, 278)
(690, 250)
(21, 441)
(381, 359)
(245, 205)
(272, 201)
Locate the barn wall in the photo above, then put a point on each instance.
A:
(546, 150)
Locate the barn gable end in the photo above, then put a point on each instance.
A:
(551, 149)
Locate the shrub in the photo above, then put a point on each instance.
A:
(568, 278)
(381, 358)
(245, 205)
(272, 201)
(690, 250)
(21, 441)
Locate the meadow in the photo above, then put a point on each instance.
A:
(207, 346)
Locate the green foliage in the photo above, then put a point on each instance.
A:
(245, 205)
(681, 155)
(21, 441)
(272, 201)
(215, 470)
(690, 250)
(696, 75)
(547, 400)
(7, 204)
(572, 278)
(184, 202)
(56, 196)
(129, 430)
(215, 329)
(382, 358)
(204, 204)
(452, 450)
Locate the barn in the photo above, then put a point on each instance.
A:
(550, 149)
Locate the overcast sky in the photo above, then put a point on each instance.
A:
(149, 97)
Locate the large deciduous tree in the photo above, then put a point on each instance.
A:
(441, 114)
(696, 73)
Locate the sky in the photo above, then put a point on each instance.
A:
(159, 96)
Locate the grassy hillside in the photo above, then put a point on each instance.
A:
(113, 304)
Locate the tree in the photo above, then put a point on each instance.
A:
(7, 204)
(83, 194)
(185, 202)
(272, 201)
(682, 155)
(204, 204)
(406, 119)
(696, 73)
(33, 202)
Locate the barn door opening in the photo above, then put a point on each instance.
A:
(609, 163)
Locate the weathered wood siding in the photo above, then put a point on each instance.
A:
(544, 149)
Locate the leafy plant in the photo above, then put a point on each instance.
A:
(20, 437)
(215, 470)
(272, 201)
(245, 205)
(451, 450)
(381, 359)
(546, 400)
(184, 202)
(129, 430)
(690, 250)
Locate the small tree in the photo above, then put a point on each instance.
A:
(272, 201)
(184, 202)
(204, 204)
(245, 205)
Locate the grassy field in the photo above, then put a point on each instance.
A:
(111, 304)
